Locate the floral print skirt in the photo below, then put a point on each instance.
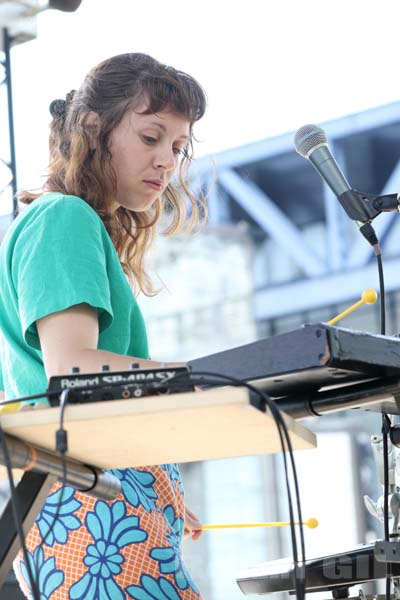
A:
(128, 548)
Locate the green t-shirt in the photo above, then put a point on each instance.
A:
(57, 254)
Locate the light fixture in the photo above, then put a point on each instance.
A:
(18, 17)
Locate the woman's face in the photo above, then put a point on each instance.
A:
(145, 152)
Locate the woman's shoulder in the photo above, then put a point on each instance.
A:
(56, 202)
(52, 215)
(58, 212)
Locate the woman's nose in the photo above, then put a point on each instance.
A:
(166, 158)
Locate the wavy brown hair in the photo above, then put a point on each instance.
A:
(115, 86)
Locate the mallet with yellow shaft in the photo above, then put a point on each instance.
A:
(367, 297)
(311, 523)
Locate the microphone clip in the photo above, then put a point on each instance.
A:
(387, 203)
(365, 207)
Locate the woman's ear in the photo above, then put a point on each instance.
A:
(91, 125)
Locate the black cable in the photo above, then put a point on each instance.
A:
(276, 411)
(61, 448)
(385, 420)
(32, 581)
(78, 389)
(382, 300)
(386, 424)
(60, 500)
(385, 450)
(285, 439)
(57, 393)
(27, 398)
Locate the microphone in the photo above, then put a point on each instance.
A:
(311, 143)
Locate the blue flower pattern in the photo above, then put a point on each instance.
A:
(137, 487)
(174, 473)
(153, 589)
(57, 531)
(111, 530)
(169, 558)
(44, 573)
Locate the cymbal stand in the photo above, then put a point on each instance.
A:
(388, 551)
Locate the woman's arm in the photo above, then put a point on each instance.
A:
(69, 339)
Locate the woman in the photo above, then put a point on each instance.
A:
(66, 301)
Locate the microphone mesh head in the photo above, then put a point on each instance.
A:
(307, 138)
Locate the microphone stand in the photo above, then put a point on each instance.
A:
(87, 479)
(363, 208)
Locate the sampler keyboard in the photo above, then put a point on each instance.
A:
(316, 362)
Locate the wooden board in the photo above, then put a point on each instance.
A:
(182, 427)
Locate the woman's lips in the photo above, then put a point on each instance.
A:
(155, 185)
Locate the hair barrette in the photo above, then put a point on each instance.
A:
(57, 108)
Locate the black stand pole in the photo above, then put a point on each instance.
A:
(31, 493)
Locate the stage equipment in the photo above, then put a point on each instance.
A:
(311, 370)
(311, 142)
(334, 573)
(42, 469)
(18, 17)
(317, 369)
(65, 5)
(227, 424)
(87, 479)
(111, 385)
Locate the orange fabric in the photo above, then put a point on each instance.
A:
(137, 560)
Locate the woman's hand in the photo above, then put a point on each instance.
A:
(192, 525)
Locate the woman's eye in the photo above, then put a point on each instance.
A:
(149, 140)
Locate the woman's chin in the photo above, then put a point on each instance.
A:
(141, 205)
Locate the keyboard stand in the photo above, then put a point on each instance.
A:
(182, 427)
(30, 493)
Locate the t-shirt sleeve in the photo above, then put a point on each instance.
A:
(59, 260)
